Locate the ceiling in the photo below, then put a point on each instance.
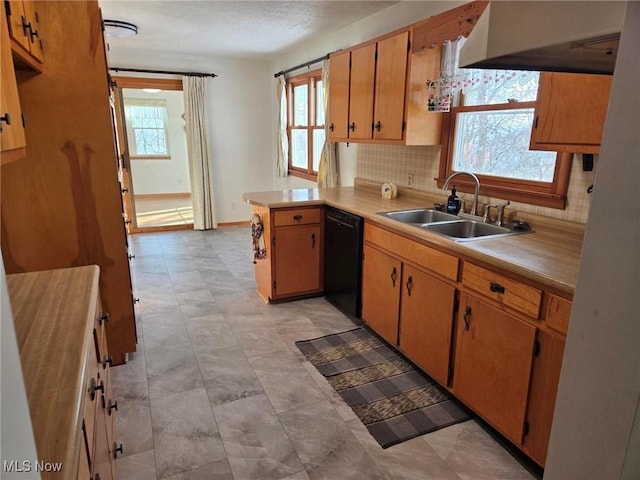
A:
(236, 29)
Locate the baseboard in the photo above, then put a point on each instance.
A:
(234, 224)
(161, 196)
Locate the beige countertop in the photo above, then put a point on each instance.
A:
(53, 312)
(550, 255)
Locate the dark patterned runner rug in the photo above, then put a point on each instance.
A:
(393, 399)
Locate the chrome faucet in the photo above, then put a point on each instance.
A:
(474, 207)
(501, 208)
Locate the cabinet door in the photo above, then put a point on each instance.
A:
(363, 67)
(34, 39)
(381, 277)
(570, 112)
(12, 132)
(494, 352)
(391, 77)
(426, 321)
(339, 95)
(297, 260)
(542, 398)
(102, 449)
(18, 23)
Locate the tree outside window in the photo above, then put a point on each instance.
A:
(489, 136)
(305, 124)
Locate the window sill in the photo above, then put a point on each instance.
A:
(513, 193)
(150, 157)
(304, 175)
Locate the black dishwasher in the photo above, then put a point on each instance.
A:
(343, 260)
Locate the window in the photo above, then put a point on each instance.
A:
(489, 136)
(147, 127)
(305, 127)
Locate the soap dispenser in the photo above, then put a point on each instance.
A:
(453, 202)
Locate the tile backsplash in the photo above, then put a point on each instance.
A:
(392, 163)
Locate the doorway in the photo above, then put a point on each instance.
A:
(154, 165)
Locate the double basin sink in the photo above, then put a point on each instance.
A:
(451, 226)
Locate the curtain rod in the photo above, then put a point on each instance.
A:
(306, 64)
(166, 72)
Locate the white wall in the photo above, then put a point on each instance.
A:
(599, 390)
(166, 175)
(16, 434)
(387, 20)
(240, 122)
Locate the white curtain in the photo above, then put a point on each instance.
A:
(282, 153)
(328, 168)
(444, 92)
(200, 169)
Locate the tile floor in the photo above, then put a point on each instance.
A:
(218, 390)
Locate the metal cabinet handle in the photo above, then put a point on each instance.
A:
(131, 256)
(377, 126)
(104, 318)
(331, 127)
(313, 240)
(107, 360)
(409, 285)
(466, 317)
(394, 275)
(112, 406)
(117, 448)
(297, 218)
(352, 126)
(496, 287)
(95, 387)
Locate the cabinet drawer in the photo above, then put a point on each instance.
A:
(507, 291)
(298, 216)
(558, 314)
(416, 253)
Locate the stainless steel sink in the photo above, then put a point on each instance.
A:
(464, 230)
(420, 216)
(456, 228)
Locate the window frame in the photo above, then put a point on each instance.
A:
(552, 195)
(131, 134)
(310, 79)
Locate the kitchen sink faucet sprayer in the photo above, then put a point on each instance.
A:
(474, 207)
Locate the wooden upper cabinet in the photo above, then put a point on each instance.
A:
(339, 94)
(391, 78)
(24, 29)
(378, 94)
(363, 68)
(571, 110)
(12, 138)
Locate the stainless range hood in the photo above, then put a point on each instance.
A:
(567, 36)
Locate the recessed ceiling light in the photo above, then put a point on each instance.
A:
(118, 28)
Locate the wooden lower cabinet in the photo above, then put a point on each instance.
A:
(542, 396)
(60, 331)
(426, 318)
(294, 241)
(297, 260)
(405, 303)
(493, 359)
(381, 280)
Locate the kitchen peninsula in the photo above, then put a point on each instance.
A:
(488, 317)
